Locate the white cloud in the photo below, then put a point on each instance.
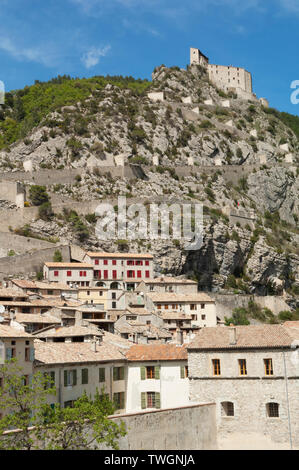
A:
(41, 55)
(92, 57)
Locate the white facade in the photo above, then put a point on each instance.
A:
(173, 390)
(80, 274)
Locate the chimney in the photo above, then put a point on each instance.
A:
(180, 337)
(232, 335)
(94, 344)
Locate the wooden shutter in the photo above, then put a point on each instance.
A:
(8, 354)
(32, 354)
(65, 378)
(102, 374)
(52, 375)
(74, 377)
(114, 373)
(122, 373)
(157, 400)
(143, 400)
(84, 376)
(122, 400)
(157, 372)
(182, 372)
(142, 373)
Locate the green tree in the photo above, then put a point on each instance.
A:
(57, 258)
(38, 195)
(45, 211)
(239, 317)
(84, 426)
(22, 404)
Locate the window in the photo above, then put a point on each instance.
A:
(139, 274)
(147, 263)
(113, 304)
(70, 378)
(203, 317)
(113, 295)
(193, 307)
(118, 373)
(272, 410)
(105, 274)
(10, 353)
(69, 404)
(102, 374)
(84, 376)
(139, 263)
(69, 273)
(25, 379)
(114, 274)
(96, 262)
(202, 306)
(27, 354)
(130, 263)
(114, 262)
(184, 372)
(159, 306)
(119, 400)
(56, 273)
(227, 408)
(131, 273)
(147, 274)
(150, 373)
(268, 366)
(50, 379)
(242, 367)
(216, 366)
(105, 262)
(150, 400)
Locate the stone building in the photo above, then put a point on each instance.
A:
(226, 78)
(252, 373)
(72, 274)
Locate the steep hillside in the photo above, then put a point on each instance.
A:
(236, 158)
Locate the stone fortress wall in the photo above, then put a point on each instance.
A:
(226, 77)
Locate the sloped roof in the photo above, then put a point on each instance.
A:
(92, 254)
(159, 352)
(171, 297)
(7, 331)
(73, 353)
(68, 331)
(68, 265)
(251, 336)
(169, 280)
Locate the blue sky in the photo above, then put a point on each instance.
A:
(40, 39)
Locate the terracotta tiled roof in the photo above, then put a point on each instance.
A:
(176, 316)
(36, 318)
(160, 352)
(92, 254)
(68, 331)
(74, 353)
(12, 293)
(68, 265)
(251, 336)
(24, 284)
(171, 297)
(10, 332)
(169, 280)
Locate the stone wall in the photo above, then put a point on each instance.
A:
(185, 428)
(20, 245)
(13, 191)
(226, 303)
(249, 394)
(30, 263)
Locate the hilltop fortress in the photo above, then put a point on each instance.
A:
(227, 78)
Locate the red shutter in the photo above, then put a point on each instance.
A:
(69, 273)
(114, 274)
(147, 263)
(105, 262)
(147, 274)
(114, 262)
(56, 273)
(105, 274)
(138, 273)
(96, 261)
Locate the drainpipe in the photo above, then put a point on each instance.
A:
(287, 398)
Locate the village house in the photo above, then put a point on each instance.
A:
(157, 377)
(15, 343)
(140, 326)
(199, 306)
(69, 334)
(43, 288)
(168, 284)
(78, 367)
(34, 322)
(94, 295)
(72, 274)
(120, 270)
(252, 373)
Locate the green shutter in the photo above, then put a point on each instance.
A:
(52, 374)
(32, 354)
(182, 372)
(122, 400)
(142, 372)
(8, 354)
(143, 400)
(84, 376)
(158, 400)
(157, 372)
(114, 373)
(65, 378)
(75, 377)
(122, 373)
(102, 374)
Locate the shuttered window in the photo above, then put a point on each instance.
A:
(102, 374)
(70, 378)
(119, 400)
(118, 373)
(84, 373)
(150, 400)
